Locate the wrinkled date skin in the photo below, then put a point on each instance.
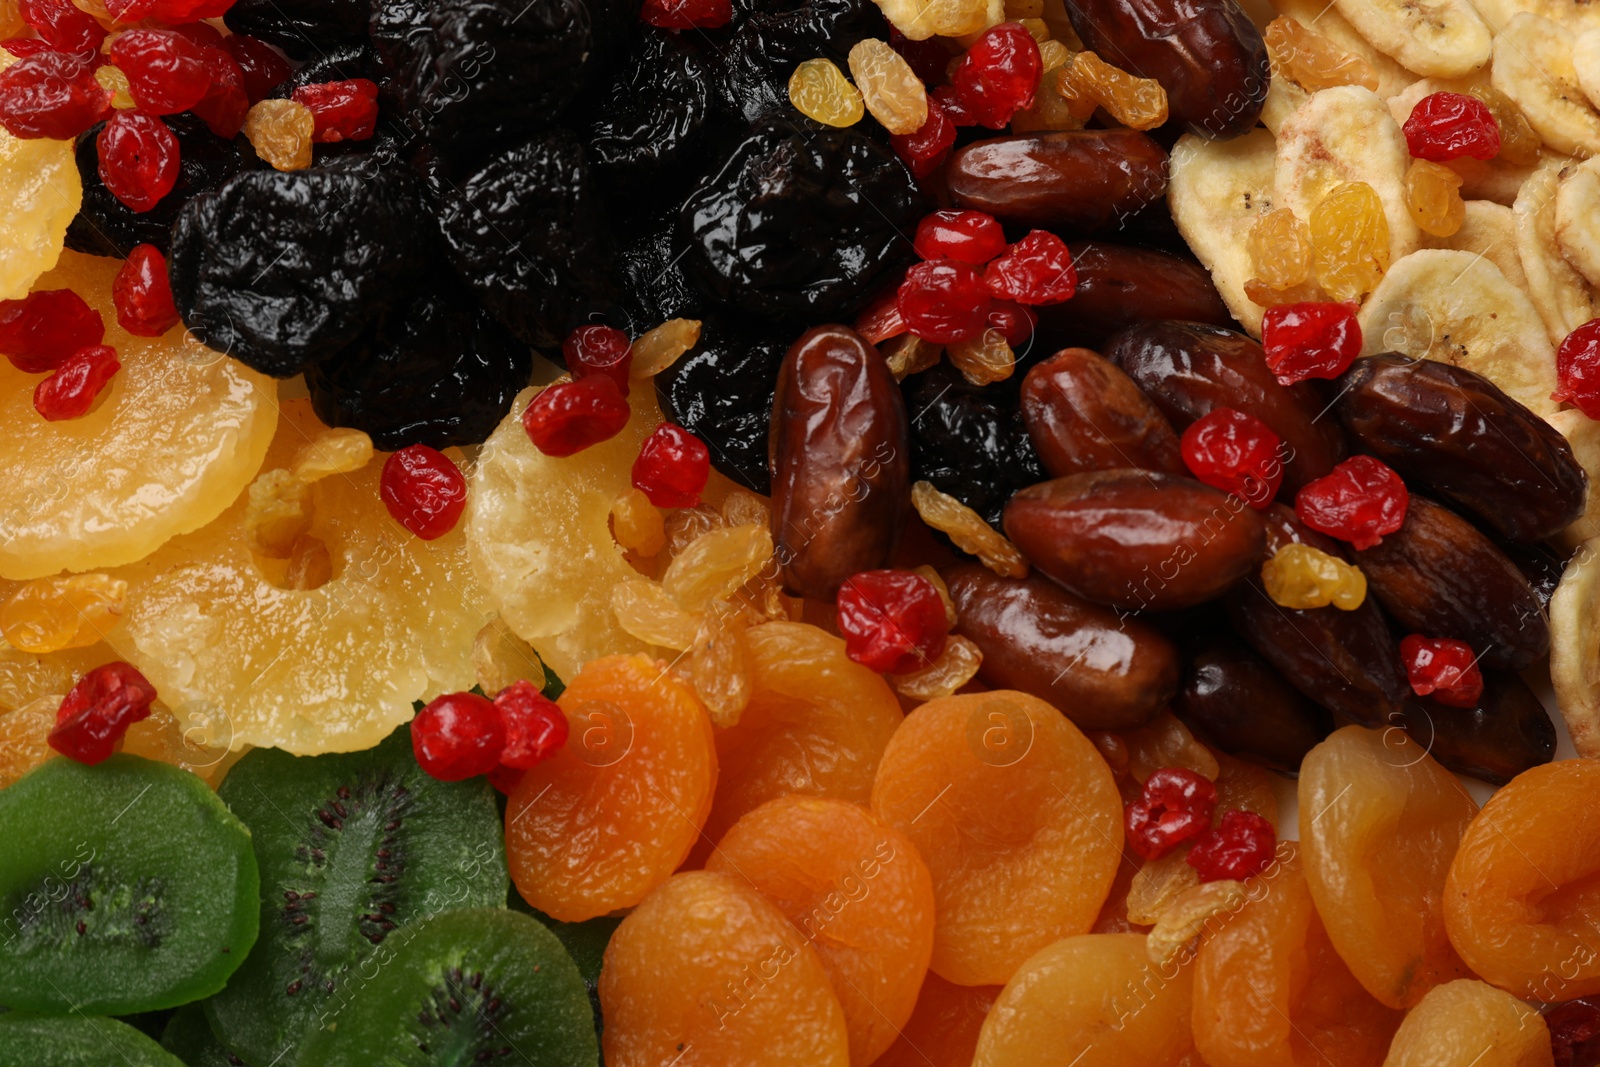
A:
(1084, 414)
(1207, 54)
(841, 468)
(1505, 734)
(1437, 575)
(1119, 285)
(1103, 671)
(1075, 181)
(1136, 539)
(1344, 660)
(1456, 433)
(1189, 368)
(1237, 701)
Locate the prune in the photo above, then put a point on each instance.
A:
(1507, 732)
(650, 118)
(1455, 432)
(800, 220)
(436, 370)
(1119, 285)
(773, 38)
(524, 230)
(354, 60)
(970, 441)
(280, 269)
(1080, 180)
(105, 226)
(302, 28)
(1083, 414)
(721, 391)
(654, 287)
(1234, 698)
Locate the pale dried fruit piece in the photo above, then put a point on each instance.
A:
(716, 564)
(1519, 144)
(937, 580)
(1442, 38)
(1533, 66)
(114, 81)
(889, 87)
(1158, 884)
(1139, 103)
(984, 359)
(1583, 434)
(967, 529)
(71, 611)
(277, 513)
(40, 187)
(717, 662)
(1217, 191)
(500, 659)
(1575, 646)
(1558, 290)
(648, 613)
(26, 676)
(1267, 296)
(23, 733)
(742, 508)
(280, 132)
(1324, 18)
(1280, 249)
(1467, 1023)
(921, 19)
(1577, 224)
(1433, 196)
(1194, 911)
(1284, 98)
(1586, 63)
(339, 451)
(1314, 61)
(909, 354)
(1489, 230)
(1166, 742)
(956, 666)
(1051, 110)
(637, 524)
(1576, 15)
(684, 526)
(656, 350)
(820, 91)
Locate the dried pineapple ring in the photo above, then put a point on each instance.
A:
(40, 187)
(170, 446)
(1575, 648)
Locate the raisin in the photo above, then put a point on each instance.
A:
(890, 89)
(1433, 198)
(775, 38)
(819, 90)
(1280, 247)
(1138, 103)
(1313, 60)
(721, 391)
(1350, 239)
(303, 28)
(651, 117)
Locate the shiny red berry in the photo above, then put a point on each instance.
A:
(924, 150)
(673, 467)
(599, 350)
(998, 75)
(1445, 126)
(1311, 340)
(341, 111)
(63, 27)
(262, 66)
(880, 319)
(1175, 807)
(138, 159)
(22, 47)
(535, 727)
(686, 14)
(53, 95)
(226, 103)
(1242, 845)
(38, 332)
(200, 33)
(126, 11)
(423, 490)
(142, 294)
(1360, 501)
(167, 72)
(966, 236)
(458, 736)
(1235, 452)
(1036, 270)
(1575, 1033)
(1578, 369)
(1443, 668)
(568, 417)
(1015, 322)
(944, 301)
(98, 711)
(182, 12)
(893, 622)
(70, 390)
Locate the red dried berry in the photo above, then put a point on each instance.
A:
(505, 779)
(966, 236)
(22, 47)
(39, 332)
(167, 72)
(893, 622)
(340, 111)
(1443, 668)
(226, 103)
(686, 14)
(423, 490)
(1242, 845)
(63, 27)
(535, 728)
(1575, 1033)
(142, 294)
(568, 417)
(998, 75)
(124, 11)
(201, 34)
(1445, 126)
(1359, 501)
(181, 12)
(1036, 270)
(70, 390)
(262, 66)
(53, 95)
(880, 320)
(1175, 807)
(1312, 340)
(1578, 369)
(458, 736)
(926, 149)
(1013, 321)
(944, 301)
(98, 711)
(1235, 452)
(673, 467)
(138, 159)
(602, 350)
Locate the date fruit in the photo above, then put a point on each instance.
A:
(1504, 734)
(1084, 414)
(1075, 181)
(1237, 702)
(1119, 285)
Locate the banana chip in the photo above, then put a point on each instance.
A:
(1586, 64)
(1575, 648)
(1583, 434)
(1533, 66)
(1558, 291)
(1216, 191)
(1576, 14)
(1324, 18)
(1284, 98)
(1435, 38)
(1578, 218)
(1488, 230)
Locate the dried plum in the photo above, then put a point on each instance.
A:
(654, 286)
(799, 220)
(436, 370)
(774, 38)
(105, 226)
(280, 269)
(357, 59)
(302, 28)
(651, 116)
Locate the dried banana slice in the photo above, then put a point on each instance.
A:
(1284, 98)
(1434, 38)
(1583, 434)
(1558, 291)
(1574, 14)
(1216, 192)
(1324, 18)
(1578, 218)
(1488, 230)
(1533, 66)
(1575, 648)
(1586, 64)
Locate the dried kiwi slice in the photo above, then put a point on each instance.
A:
(466, 987)
(351, 845)
(586, 942)
(124, 887)
(78, 1041)
(188, 1036)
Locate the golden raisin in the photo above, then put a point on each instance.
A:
(500, 658)
(71, 611)
(1139, 103)
(1265, 295)
(1299, 576)
(310, 565)
(968, 530)
(637, 524)
(1519, 142)
(740, 508)
(1309, 58)
(889, 88)
(656, 350)
(686, 525)
(648, 613)
(909, 354)
(1280, 249)
(113, 80)
(332, 452)
(716, 565)
(956, 666)
(1051, 110)
(1433, 196)
(1350, 240)
(279, 510)
(820, 91)
(1194, 911)
(939, 585)
(984, 359)
(717, 664)
(280, 132)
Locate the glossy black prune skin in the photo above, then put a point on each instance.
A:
(773, 38)
(654, 286)
(721, 391)
(105, 226)
(650, 118)
(799, 221)
(342, 63)
(304, 29)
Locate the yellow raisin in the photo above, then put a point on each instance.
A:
(1139, 103)
(12, 24)
(72, 611)
(1194, 911)
(1433, 196)
(716, 565)
(937, 579)
(922, 19)
(648, 613)
(1280, 249)
(909, 354)
(310, 565)
(740, 507)
(967, 529)
(1158, 884)
(1519, 142)
(983, 359)
(1037, 29)
(637, 524)
(717, 662)
(280, 132)
(1300, 576)
(956, 666)
(685, 526)
(656, 350)
(1265, 295)
(279, 510)
(1350, 241)
(889, 88)
(114, 81)
(500, 658)
(820, 91)
(332, 452)
(1051, 110)
(1309, 58)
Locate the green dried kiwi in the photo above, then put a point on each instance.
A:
(77, 1041)
(585, 942)
(466, 987)
(351, 845)
(124, 887)
(188, 1036)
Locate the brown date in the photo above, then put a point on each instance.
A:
(1236, 701)
(1136, 539)
(1438, 576)
(1188, 368)
(1104, 672)
(1344, 660)
(1456, 433)
(1207, 54)
(1119, 285)
(841, 466)
(1077, 180)
(1083, 414)
(1505, 734)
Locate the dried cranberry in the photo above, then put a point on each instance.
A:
(880, 319)
(967, 236)
(892, 621)
(167, 72)
(70, 390)
(535, 728)
(998, 75)
(1443, 668)
(1575, 1033)
(262, 66)
(1036, 270)
(1175, 807)
(142, 294)
(458, 736)
(1312, 340)
(568, 417)
(226, 103)
(138, 159)
(22, 47)
(38, 332)
(423, 490)
(673, 467)
(130, 10)
(201, 34)
(1578, 369)
(686, 14)
(63, 26)
(926, 149)
(1243, 844)
(341, 111)
(1015, 322)
(944, 301)
(177, 12)
(1235, 452)
(1445, 126)
(599, 350)
(98, 711)
(53, 95)
(1359, 501)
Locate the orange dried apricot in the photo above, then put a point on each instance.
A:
(1018, 819)
(1244, 786)
(943, 1030)
(616, 810)
(1467, 1023)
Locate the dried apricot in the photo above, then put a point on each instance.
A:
(1467, 1023)
(615, 811)
(1018, 819)
(943, 1030)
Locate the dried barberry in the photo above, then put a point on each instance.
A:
(721, 391)
(1242, 845)
(423, 491)
(51, 94)
(142, 294)
(672, 468)
(138, 157)
(1175, 806)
